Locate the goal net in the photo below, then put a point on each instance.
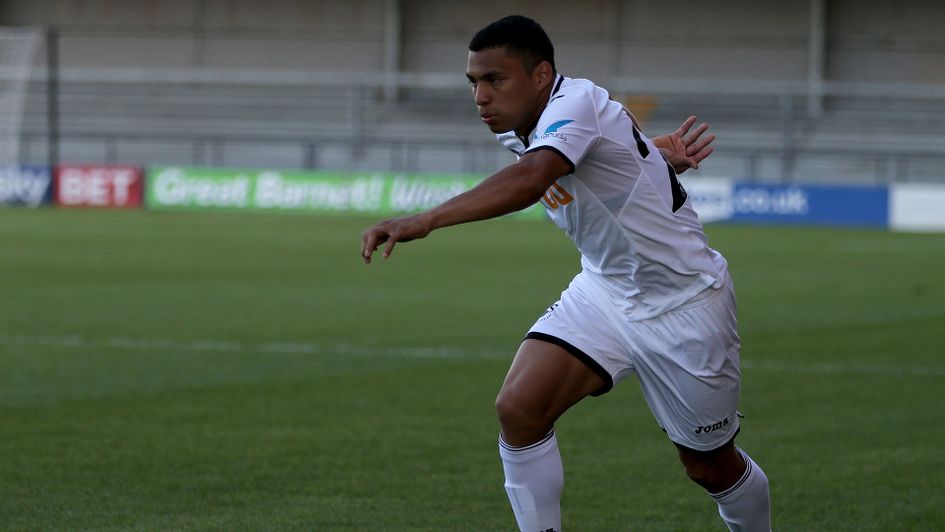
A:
(17, 46)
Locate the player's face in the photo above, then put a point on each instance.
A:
(508, 97)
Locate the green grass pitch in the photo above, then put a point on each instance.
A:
(227, 372)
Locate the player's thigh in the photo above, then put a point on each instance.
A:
(544, 381)
(688, 366)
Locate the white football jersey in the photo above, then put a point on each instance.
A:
(622, 204)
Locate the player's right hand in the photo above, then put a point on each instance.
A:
(389, 232)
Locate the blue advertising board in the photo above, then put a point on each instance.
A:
(723, 200)
(811, 205)
(25, 185)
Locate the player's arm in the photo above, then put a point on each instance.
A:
(511, 189)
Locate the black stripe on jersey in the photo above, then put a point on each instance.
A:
(531, 128)
(679, 193)
(556, 150)
(644, 149)
(580, 355)
(557, 85)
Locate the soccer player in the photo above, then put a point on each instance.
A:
(652, 298)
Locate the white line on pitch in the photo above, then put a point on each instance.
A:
(223, 346)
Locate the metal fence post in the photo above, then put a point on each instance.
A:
(52, 96)
(355, 121)
(788, 154)
(311, 156)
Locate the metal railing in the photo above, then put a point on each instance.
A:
(747, 160)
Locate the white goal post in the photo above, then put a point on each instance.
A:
(17, 46)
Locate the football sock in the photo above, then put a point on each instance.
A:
(534, 479)
(746, 506)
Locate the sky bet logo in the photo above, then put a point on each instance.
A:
(552, 131)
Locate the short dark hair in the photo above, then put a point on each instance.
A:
(521, 37)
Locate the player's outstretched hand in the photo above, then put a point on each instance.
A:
(389, 232)
(685, 149)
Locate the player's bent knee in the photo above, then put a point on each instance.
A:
(511, 410)
(517, 417)
(701, 474)
(713, 470)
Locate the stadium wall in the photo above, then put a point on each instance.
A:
(601, 39)
(253, 83)
(900, 207)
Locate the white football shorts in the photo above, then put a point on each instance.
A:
(686, 359)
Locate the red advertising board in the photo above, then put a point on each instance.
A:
(115, 186)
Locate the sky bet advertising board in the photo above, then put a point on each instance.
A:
(26, 185)
(99, 186)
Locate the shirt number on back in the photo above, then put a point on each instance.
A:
(679, 193)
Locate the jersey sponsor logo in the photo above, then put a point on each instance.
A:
(552, 131)
(556, 196)
(557, 125)
(715, 426)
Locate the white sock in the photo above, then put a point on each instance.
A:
(534, 479)
(746, 506)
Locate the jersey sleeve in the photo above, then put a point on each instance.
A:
(569, 126)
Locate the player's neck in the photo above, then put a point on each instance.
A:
(533, 120)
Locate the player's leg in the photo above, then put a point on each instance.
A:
(738, 485)
(572, 351)
(688, 365)
(715, 470)
(543, 382)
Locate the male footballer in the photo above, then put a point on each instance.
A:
(652, 298)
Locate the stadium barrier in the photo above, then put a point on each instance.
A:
(718, 200)
(179, 188)
(900, 206)
(26, 185)
(102, 186)
(917, 207)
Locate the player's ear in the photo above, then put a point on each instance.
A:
(543, 75)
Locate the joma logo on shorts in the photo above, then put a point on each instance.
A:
(715, 426)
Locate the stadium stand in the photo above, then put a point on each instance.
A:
(377, 84)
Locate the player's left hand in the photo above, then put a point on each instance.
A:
(389, 232)
(684, 149)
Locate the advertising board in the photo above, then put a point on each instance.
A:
(26, 185)
(102, 186)
(181, 188)
(725, 200)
